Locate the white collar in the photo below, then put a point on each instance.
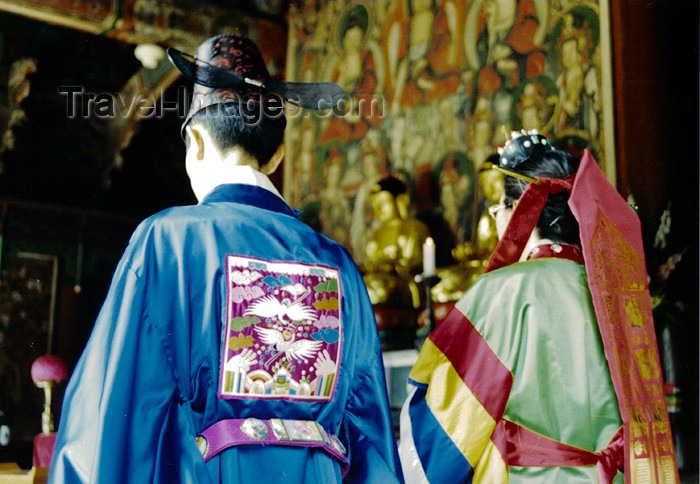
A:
(246, 175)
(533, 244)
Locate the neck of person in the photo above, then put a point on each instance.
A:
(533, 242)
(236, 167)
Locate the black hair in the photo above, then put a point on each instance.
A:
(491, 160)
(392, 185)
(556, 222)
(258, 131)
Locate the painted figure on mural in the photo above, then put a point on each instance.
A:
(455, 186)
(303, 153)
(349, 70)
(486, 30)
(415, 138)
(578, 83)
(570, 84)
(504, 42)
(535, 102)
(304, 43)
(358, 67)
(425, 54)
(374, 168)
(526, 39)
(335, 212)
(480, 132)
(394, 249)
(448, 113)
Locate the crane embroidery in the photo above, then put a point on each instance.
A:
(270, 306)
(284, 344)
(287, 343)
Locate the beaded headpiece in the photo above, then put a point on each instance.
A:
(522, 145)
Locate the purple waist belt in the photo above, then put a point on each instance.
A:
(297, 433)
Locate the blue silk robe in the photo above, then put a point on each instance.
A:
(146, 384)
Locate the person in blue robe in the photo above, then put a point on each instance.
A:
(236, 344)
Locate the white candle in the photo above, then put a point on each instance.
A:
(429, 257)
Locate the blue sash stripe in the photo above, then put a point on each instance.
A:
(441, 459)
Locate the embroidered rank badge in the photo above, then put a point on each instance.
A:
(283, 332)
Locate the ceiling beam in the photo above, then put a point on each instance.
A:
(67, 14)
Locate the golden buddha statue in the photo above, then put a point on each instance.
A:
(473, 256)
(492, 186)
(393, 253)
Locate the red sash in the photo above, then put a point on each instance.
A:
(614, 259)
(526, 448)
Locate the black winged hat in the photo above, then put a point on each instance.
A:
(229, 68)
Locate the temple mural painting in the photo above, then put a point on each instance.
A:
(434, 86)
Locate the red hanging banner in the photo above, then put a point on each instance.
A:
(614, 257)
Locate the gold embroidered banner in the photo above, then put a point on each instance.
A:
(612, 245)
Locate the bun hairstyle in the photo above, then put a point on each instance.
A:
(390, 184)
(530, 154)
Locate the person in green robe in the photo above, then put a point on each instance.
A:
(514, 385)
